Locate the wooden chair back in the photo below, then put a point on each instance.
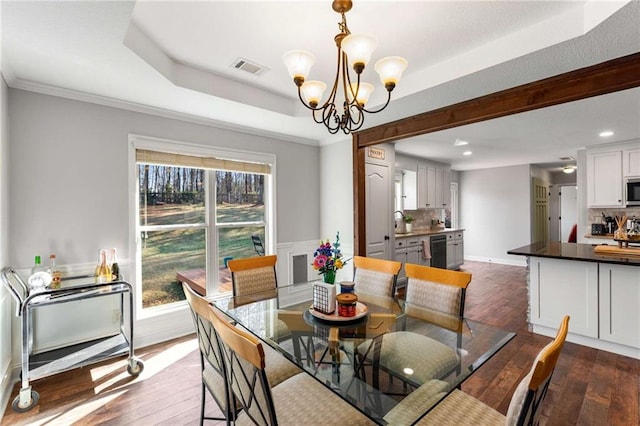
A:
(436, 295)
(253, 274)
(529, 395)
(378, 276)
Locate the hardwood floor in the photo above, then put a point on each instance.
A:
(589, 387)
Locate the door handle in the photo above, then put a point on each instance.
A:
(386, 238)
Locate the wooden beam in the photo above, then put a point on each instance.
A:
(607, 77)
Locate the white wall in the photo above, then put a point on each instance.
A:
(495, 213)
(336, 205)
(6, 311)
(68, 186)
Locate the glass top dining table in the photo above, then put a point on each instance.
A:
(346, 355)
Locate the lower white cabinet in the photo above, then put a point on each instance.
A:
(564, 287)
(620, 304)
(407, 250)
(455, 250)
(602, 300)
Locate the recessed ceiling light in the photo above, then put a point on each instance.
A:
(606, 134)
(460, 142)
(467, 153)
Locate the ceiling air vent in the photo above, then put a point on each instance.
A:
(250, 67)
(567, 158)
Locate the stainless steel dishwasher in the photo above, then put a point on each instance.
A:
(439, 251)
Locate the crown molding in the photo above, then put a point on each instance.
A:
(31, 86)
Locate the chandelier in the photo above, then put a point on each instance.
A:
(354, 50)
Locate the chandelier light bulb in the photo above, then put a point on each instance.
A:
(364, 92)
(312, 91)
(390, 70)
(359, 48)
(299, 63)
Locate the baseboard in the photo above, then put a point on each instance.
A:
(509, 262)
(9, 378)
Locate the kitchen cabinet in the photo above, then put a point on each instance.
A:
(455, 250)
(601, 298)
(408, 250)
(564, 287)
(604, 178)
(433, 187)
(631, 162)
(619, 294)
(409, 190)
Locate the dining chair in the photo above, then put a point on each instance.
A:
(253, 274)
(376, 276)
(301, 399)
(213, 375)
(461, 409)
(433, 295)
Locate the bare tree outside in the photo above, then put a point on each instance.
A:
(175, 197)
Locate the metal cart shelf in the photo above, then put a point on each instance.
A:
(36, 366)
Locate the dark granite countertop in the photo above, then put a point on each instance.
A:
(421, 232)
(572, 251)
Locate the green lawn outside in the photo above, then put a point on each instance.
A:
(166, 252)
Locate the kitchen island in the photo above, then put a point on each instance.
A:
(600, 292)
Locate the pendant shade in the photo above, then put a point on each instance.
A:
(364, 92)
(299, 63)
(359, 48)
(312, 91)
(390, 69)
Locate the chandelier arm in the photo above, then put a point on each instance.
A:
(328, 112)
(347, 77)
(360, 117)
(381, 108)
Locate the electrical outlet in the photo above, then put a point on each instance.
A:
(115, 316)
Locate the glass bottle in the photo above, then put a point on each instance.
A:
(39, 278)
(37, 267)
(56, 276)
(103, 272)
(115, 269)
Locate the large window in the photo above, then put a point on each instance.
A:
(192, 220)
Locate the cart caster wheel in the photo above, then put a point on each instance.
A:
(135, 367)
(35, 397)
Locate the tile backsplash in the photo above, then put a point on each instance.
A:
(595, 215)
(422, 218)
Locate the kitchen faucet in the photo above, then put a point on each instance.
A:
(401, 214)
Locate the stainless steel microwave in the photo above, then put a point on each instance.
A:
(632, 191)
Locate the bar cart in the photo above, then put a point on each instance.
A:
(40, 365)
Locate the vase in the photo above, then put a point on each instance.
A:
(329, 277)
(408, 227)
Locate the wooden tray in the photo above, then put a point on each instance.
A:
(617, 251)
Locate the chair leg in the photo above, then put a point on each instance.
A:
(202, 405)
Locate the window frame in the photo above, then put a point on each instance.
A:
(140, 142)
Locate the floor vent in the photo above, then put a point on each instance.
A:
(250, 67)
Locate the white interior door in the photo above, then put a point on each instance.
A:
(379, 213)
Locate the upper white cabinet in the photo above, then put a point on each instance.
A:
(604, 178)
(409, 190)
(434, 184)
(631, 162)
